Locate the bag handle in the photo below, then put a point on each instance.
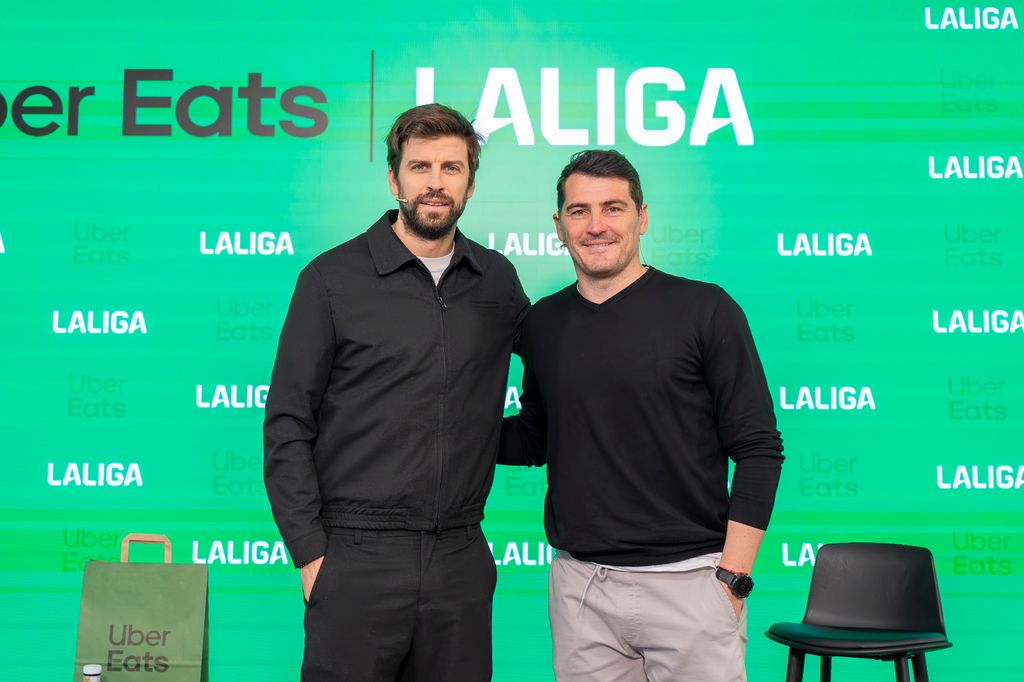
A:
(149, 539)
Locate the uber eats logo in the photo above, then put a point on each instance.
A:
(154, 106)
(146, 654)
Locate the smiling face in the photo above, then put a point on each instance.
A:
(601, 225)
(433, 185)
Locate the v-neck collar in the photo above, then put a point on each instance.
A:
(632, 286)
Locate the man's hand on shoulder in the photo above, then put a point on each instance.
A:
(308, 573)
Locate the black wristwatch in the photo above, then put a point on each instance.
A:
(741, 584)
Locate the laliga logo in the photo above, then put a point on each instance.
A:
(503, 84)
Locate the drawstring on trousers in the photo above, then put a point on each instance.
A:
(600, 572)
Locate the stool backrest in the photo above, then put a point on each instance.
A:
(876, 586)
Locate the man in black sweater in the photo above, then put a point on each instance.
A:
(638, 388)
(383, 420)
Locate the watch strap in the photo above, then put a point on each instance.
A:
(740, 584)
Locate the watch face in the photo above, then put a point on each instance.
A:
(742, 586)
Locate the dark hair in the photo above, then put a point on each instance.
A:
(601, 163)
(431, 121)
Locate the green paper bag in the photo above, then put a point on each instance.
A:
(144, 621)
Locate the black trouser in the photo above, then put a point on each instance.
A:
(401, 605)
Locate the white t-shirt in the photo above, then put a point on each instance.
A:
(437, 266)
(703, 561)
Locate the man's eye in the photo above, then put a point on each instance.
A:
(614, 209)
(577, 213)
(454, 168)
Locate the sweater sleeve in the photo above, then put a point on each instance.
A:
(744, 414)
(524, 436)
(304, 357)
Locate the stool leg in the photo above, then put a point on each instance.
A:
(826, 669)
(902, 670)
(920, 669)
(795, 671)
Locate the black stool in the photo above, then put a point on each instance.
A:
(868, 600)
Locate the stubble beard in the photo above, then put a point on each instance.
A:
(597, 270)
(431, 229)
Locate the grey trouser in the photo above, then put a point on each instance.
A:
(615, 625)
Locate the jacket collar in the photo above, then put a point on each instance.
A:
(389, 253)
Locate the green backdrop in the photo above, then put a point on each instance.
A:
(855, 111)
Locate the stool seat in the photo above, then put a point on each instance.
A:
(858, 643)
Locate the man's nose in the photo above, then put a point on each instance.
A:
(435, 181)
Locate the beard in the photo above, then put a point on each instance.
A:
(431, 227)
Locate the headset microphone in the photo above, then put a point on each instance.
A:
(401, 200)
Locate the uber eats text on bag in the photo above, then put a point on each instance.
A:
(144, 621)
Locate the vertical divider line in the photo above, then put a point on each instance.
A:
(371, 106)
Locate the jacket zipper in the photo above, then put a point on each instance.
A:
(441, 403)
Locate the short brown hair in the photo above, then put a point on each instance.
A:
(601, 163)
(431, 121)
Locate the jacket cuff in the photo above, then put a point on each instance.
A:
(308, 547)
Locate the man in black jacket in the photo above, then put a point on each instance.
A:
(383, 419)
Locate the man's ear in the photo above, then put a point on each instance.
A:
(558, 226)
(396, 191)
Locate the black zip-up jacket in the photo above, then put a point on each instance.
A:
(386, 398)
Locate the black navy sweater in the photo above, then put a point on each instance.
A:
(636, 405)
